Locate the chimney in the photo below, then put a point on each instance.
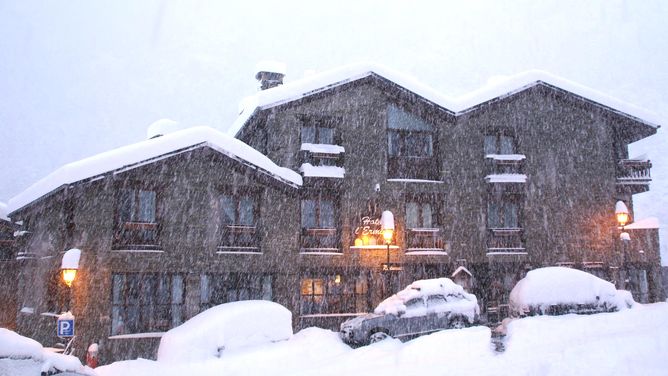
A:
(270, 74)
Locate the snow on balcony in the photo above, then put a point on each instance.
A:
(323, 148)
(506, 157)
(506, 178)
(308, 170)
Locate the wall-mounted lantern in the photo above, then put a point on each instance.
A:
(70, 265)
(622, 214)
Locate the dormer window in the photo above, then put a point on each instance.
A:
(410, 146)
(500, 142)
(317, 130)
(136, 219)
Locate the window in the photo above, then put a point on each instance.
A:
(319, 232)
(146, 302)
(410, 146)
(217, 289)
(422, 222)
(238, 218)
(332, 293)
(503, 212)
(317, 134)
(499, 142)
(421, 215)
(136, 218)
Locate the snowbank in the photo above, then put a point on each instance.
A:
(545, 287)
(226, 327)
(629, 342)
(15, 346)
(467, 304)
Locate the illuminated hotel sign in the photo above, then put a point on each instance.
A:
(368, 233)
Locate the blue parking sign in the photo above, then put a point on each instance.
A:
(66, 328)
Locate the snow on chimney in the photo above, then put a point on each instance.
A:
(162, 127)
(270, 74)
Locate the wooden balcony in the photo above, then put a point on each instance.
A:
(505, 241)
(633, 176)
(239, 239)
(425, 241)
(137, 236)
(320, 240)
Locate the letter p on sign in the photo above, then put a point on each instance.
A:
(65, 328)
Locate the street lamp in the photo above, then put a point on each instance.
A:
(387, 228)
(622, 214)
(70, 265)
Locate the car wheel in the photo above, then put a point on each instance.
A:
(378, 336)
(458, 323)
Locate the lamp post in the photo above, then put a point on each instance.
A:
(68, 268)
(622, 215)
(387, 228)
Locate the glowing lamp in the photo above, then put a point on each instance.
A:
(68, 276)
(70, 265)
(622, 213)
(387, 226)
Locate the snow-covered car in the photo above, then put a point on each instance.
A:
(559, 291)
(423, 307)
(24, 356)
(224, 328)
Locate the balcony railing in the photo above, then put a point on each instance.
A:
(137, 235)
(634, 171)
(504, 163)
(633, 175)
(424, 240)
(239, 239)
(320, 240)
(505, 241)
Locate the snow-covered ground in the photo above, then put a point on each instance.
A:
(630, 342)
(21, 356)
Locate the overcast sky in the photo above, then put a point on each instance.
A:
(81, 77)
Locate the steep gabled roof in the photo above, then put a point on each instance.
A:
(148, 151)
(458, 105)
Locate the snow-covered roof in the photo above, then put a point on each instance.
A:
(645, 223)
(130, 156)
(499, 87)
(3, 211)
(322, 171)
(461, 269)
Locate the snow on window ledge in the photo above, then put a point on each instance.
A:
(137, 251)
(425, 252)
(506, 157)
(222, 252)
(323, 252)
(138, 335)
(27, 310)
(323, 148)
(416, 181)
(506, 178)
(322, 171)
